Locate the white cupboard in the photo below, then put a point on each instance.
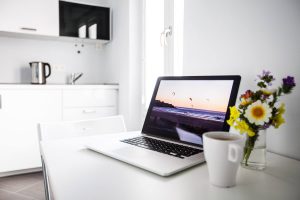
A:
(85, 104)
(22, 108)
(89, 103)
(31, 16)
(19, 113)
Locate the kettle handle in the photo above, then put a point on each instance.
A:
(49, 70)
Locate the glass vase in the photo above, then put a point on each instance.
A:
(255, 151)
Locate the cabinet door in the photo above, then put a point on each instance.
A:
(89, 103)
(30, 16)
(89, 97)
(94, 19)
(20, 112)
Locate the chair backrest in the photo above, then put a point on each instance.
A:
(67, 129)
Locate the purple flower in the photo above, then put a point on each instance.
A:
(288, 84)
(266, 73)
(289, 81)
(265, 79)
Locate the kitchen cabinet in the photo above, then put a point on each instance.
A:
(86, 104)
(20, 111)
(88, 112)
(93, 21)
(30, 16)
(22, 107)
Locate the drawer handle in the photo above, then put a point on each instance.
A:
(88, 111)
(28, 29)
(0, 101)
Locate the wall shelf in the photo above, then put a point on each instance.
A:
(52, 38)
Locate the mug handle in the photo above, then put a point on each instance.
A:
(234, 151)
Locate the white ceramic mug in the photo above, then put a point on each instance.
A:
(93, 31)
(82, 31)
(223, 153)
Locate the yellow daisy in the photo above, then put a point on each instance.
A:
(245, 102)
(234, 114)
(281, 109)
(278, 119)
(243, 127)
(258, 113)
(268, 91)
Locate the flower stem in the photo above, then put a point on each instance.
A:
(250, 142)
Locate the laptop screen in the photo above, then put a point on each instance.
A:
(183, 108)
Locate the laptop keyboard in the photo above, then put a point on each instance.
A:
(172, 149)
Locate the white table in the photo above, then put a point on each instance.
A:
(78, 173)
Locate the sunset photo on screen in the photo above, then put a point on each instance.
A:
(188, 108)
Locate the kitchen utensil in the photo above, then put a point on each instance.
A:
(38, 72)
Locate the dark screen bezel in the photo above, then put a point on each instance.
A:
(233, 96)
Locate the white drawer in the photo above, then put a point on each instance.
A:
(88, 113)
(92, 97)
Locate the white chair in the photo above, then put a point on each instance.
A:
(67, 129)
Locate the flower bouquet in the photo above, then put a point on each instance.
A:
(258, 110)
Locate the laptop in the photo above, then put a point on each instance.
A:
(180, 111)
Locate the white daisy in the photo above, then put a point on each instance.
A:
(258, 113)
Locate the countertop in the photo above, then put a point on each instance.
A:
(59, 86)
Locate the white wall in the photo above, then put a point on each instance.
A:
(123, 56)
(245, 37)
(16, 53)
(135, 63)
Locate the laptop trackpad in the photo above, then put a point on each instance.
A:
(147, 159)
(130, 151)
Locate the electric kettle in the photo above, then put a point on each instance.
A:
(38, 72)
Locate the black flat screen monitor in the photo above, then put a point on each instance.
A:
(183, 108)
